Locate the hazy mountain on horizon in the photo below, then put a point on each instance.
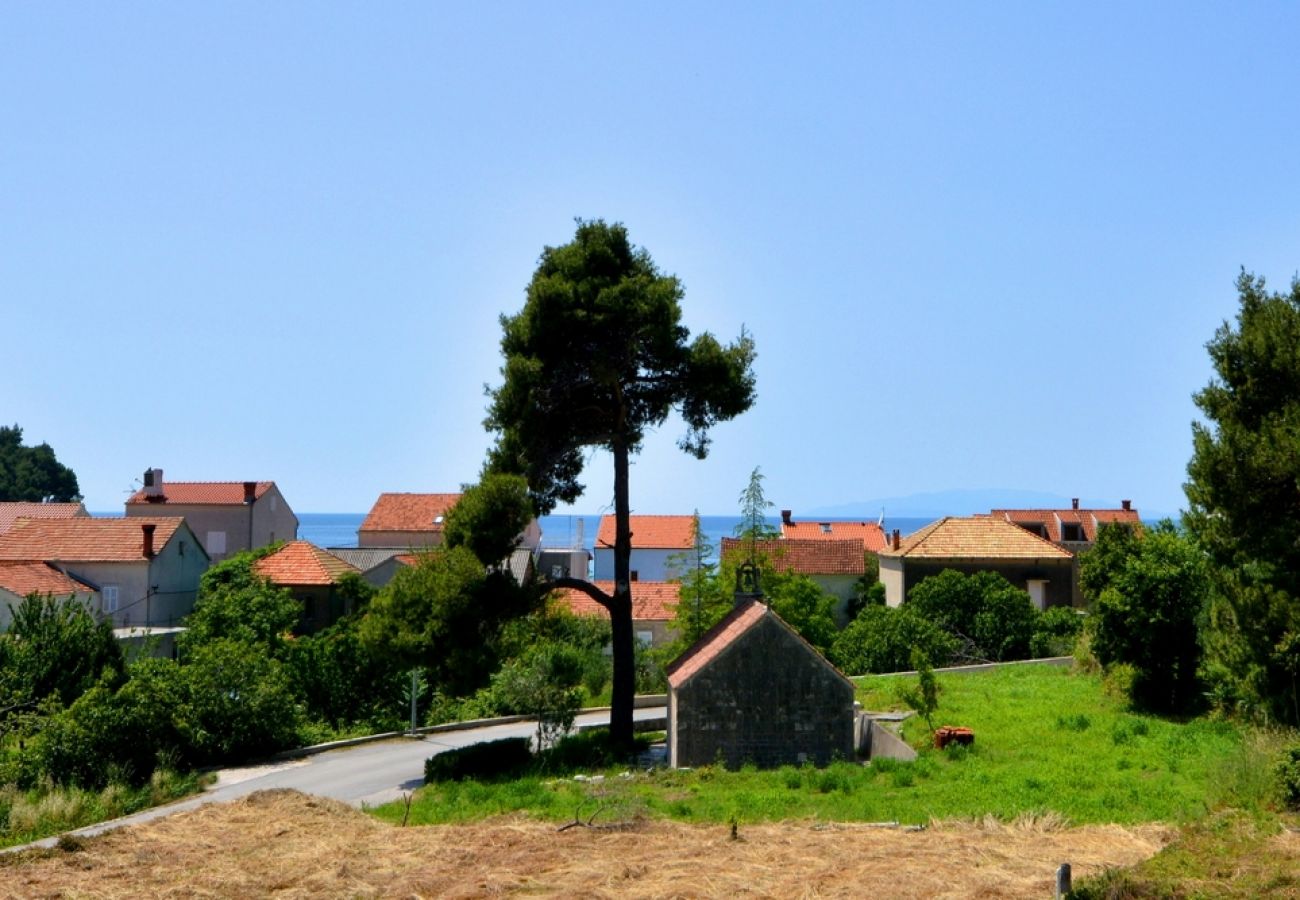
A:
(965, 502)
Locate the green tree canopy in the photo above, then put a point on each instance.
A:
(1147, 615)
(446, 613)
(994, 616)
(235, 603)
(490, 516)
(33, 474)
(596, 358)
(1243, 491)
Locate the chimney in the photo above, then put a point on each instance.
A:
(896, 541)
(153, 485)
(1126, 505)
(1074, 503)
(785, 517)
(148, 529)
(250, 491)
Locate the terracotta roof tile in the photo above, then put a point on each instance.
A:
(23, 578)
(714, 641)
(804, 557)
(201, 493)
(85, 539)
(1052, 519)
(302, 563)
(11, 512)
(409, 512)
(650, 533)
(871, 534)
(652, 601)
(975, 537)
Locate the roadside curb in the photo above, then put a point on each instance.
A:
(641, 701)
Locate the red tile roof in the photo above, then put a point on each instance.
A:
(201, 493)
(975, 538)
(871, 534)
(11, 512)
(23, 578)
(409, 512)
(85, 539)
(716, 640)
(804, 557)
(650, 533)
(652, 601)
(1052, 519)
(302, 563)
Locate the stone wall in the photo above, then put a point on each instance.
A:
(768, 699)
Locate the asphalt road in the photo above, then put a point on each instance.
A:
(363, 775)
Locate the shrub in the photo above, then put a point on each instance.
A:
(882, 639)
(983, 607)
(492, 759)
(241, 701)
(1288, 774)
(1056, 632)
(587, 750)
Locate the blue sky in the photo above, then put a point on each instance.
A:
(976, 248)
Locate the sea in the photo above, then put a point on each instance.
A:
(576, 531)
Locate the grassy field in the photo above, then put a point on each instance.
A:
(1049, 744)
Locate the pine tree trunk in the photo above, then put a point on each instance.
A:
(620, 613)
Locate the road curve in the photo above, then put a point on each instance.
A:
(363, 775)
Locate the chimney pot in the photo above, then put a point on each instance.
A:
(1074, 502)
(148, 528)
(1126, 504)
(897, 542)
(785, 516)
(250, 491)
(153, 485)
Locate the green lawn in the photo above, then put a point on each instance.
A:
(1047, 741)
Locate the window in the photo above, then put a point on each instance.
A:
(826, 527)
(645, 638)
(632, 575)
(110, 597)
(180, 548)
(557, 571)
(1034, 528)
(1071, 531)
(216, 543)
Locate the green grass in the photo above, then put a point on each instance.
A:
(1047, 740)
(41, 812)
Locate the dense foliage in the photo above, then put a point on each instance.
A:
(884, 639)
(994, 618)
(1148, 592)
(596, 358)
(1243, 491)
(489, 517)
(33, 474)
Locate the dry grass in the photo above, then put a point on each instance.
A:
(287, 844)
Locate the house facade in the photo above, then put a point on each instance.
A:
(656, 540)
(19, 579)
(145, 570)
(1071, 529)
(979, 544)
(653, 603)
(752, 691)
(226, 516)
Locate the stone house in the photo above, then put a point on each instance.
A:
(751, 690)
(226, 516)
(979, 544)
(655, 541)
(311, 575)
(145, 570)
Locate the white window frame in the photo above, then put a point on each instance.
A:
(111, 597)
